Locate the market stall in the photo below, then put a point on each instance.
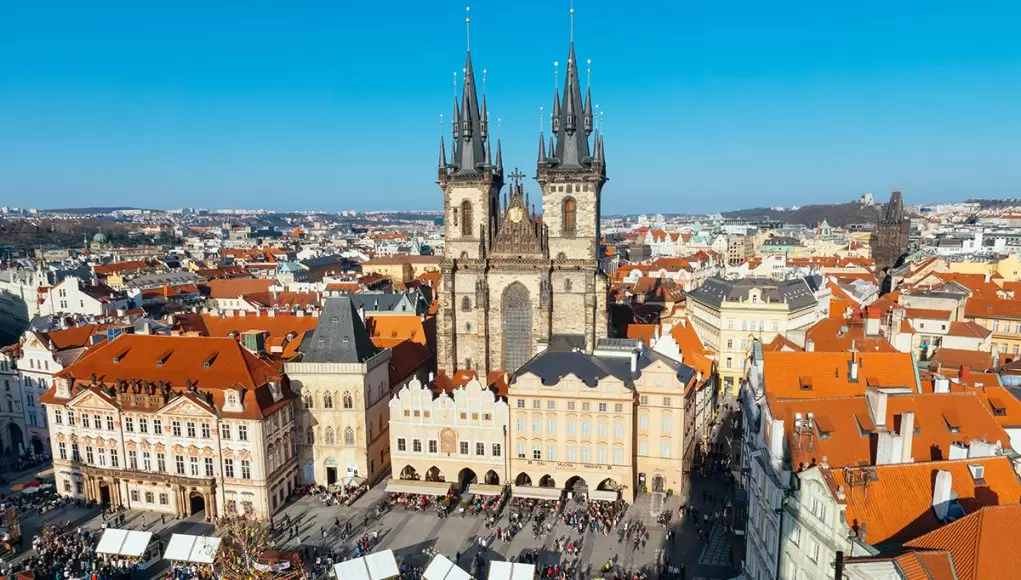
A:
(418, 487)
(375, 566)
(441, 568)
(511, 571)
(534, 492)
(194, 549)
(145, 547)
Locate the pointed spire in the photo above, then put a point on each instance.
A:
(596, 153)
(489, 157)
(556, 110)
(443, 155)
(484, 117)
(542, 148)
(552, 151)
(499, 157)
(588, 111)
(456, 122)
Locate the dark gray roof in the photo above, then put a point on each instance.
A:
(339, 337)
(797, 292)
(410, 302)
(566, 355)
(324, 261)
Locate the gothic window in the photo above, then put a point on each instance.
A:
(567, 285)
(570, 218)
(517, 327)
(327, 401)
(310, 436)
(349, 436)
(466, 218)
(455, 216)
(329, 436)
(308, 401)
(561, 256)
(348, 401)
(466, 304)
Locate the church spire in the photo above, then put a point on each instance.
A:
(443, 156)
(469, 153)
(542, 148)
(573, 116)
(499, 158)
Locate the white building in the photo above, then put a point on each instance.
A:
(72, 296)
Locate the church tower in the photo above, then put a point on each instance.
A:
(471, 181)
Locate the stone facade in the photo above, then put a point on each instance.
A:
(891, 238)
(512, 278)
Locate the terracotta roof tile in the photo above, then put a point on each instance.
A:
(278, 327)
(928, 313)
(75, 337)
(897, 506)
(992, 308)
(236, 287)
(838, 334)
(984, 544)
(954, 358)
(826, 374)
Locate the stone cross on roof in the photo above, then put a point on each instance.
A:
(517, 176)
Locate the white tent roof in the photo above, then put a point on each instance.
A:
(441, 568)
(536, 492)
(119, 542)
(374, 566)
(603, 495)
(511, 571)
(197, 549)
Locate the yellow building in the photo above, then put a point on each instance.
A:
(1008, 268)
(601, 424)
(729, 314)
(1003, 319)
(401, 268)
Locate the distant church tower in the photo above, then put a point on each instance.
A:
(891, 236)
(512, 278)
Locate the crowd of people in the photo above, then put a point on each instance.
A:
(410, 501)
(190, 572)
(335, 494)
(599, 516)
(71, 554)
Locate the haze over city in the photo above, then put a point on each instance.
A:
(706, 106)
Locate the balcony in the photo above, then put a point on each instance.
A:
(156, 476)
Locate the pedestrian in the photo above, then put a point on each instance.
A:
(163, 518)
(457, 558)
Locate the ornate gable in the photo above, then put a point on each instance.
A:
(88, 399)
(521, 232)
(185, 407)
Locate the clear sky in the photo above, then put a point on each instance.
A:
(708, 104)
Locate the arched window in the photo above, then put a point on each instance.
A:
(567, 285)
(455, 216)
(348, 401)
(327, 401)
(310, 436)
(561, 256)
(466, 304)
(517, 326)
(349, 436)
(570, 218)
(308, 401)
(329, 436)
(466, 218)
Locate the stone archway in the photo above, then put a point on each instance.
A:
(465, 478)
(547, 481)
(492, 478)
(196, 503)
(608, 484)
(16, 438)
(434, 474)
(37, 444)
(522, 479)
(658, 484)
(577, 484)
(409, 473)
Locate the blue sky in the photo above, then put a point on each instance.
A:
(709, 104)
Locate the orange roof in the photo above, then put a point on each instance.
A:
(968, 329)
(984, 544)
(399, 326)
(643, 332)
(897, 506)
(844, 428)
(286, 299)
(407, 356)
(838, 334)
(802, 375)
(955, 358)
(210, 364)
(670, 264)
(992, 308)
(237, 287)
(119, 267)
(781, 342)
(76, 337)
(496, 380)
(691, 346)
(928, 313)
(278, 327)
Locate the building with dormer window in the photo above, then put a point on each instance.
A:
(174, 424)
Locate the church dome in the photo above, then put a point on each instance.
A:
(99, 238)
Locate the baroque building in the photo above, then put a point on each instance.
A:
(513, 277)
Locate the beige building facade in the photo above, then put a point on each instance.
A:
(458, 436)
(178, 425)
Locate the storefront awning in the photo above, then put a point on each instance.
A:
(483, 489)
(197, 549)
(535, 492)
(602, 495)
(374, 566)
(419, 487)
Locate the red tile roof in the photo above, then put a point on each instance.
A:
(984, 544)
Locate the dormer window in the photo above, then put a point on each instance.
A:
(978, 473)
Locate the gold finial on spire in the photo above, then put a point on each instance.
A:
(468, 26)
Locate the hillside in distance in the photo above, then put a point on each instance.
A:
(837, 214)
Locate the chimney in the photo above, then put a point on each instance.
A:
(634, 362)
(965, 375)
(876, 400)
(872, 326)
(989, 276)
(941, 385)
(907, 432)
(854, 366)
(888, 448)
(941, 490)
(809, 345)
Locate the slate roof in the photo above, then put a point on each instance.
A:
(340, 336)
(566, 355)
(796, 292)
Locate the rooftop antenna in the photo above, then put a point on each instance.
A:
(468, 26)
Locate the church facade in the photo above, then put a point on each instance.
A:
(514, 277)
(891, 237)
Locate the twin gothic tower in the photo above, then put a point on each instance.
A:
(513, 277)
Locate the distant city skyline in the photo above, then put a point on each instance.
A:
(707, 107)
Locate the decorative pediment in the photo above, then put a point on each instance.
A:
(208, 452)
(245, 454)
(185, 407)
(146, 446)
(160, 448)
(178, 449)
(228, 453)
(74, 438)
(90, 400)
(87, 440)
(111, 443)
(521, 231)
(61, 437)
(131, 445)
(100, 441)
(193, 451)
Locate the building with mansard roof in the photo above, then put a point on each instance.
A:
(512, 276)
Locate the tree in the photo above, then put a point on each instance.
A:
(244, 542)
